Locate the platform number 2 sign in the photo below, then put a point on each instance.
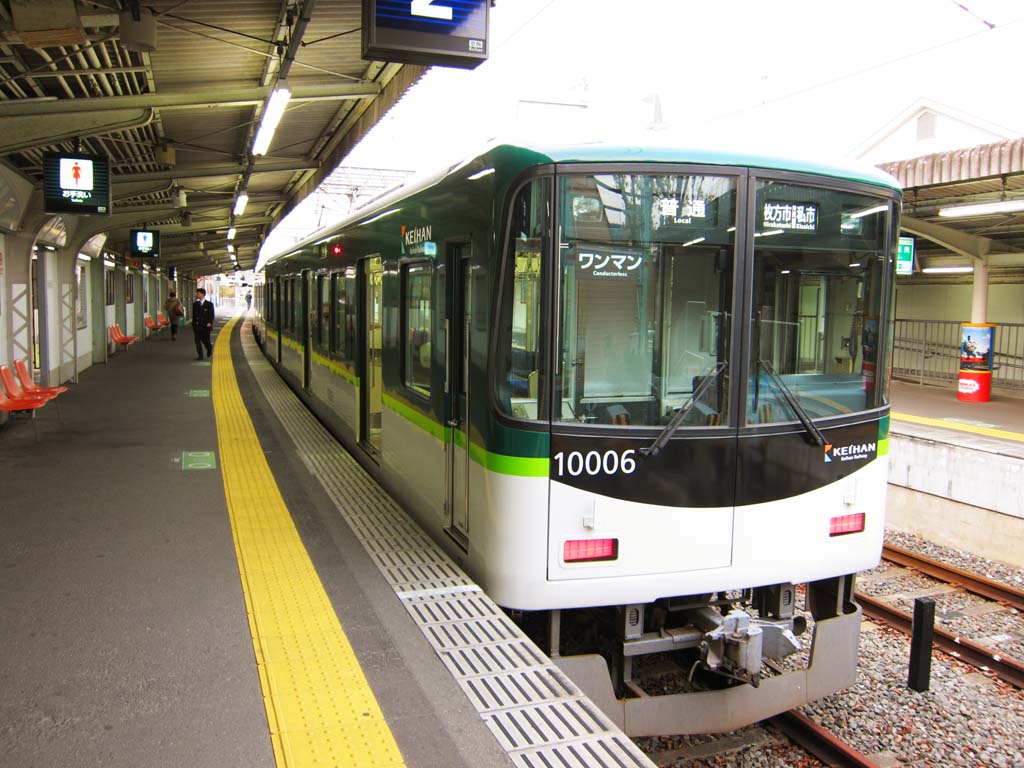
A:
(427, 9)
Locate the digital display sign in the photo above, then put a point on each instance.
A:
(447, 33)
(905, 256)
(790, 217)
(145, 243)
(74, 183)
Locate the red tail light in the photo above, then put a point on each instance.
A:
(590, 550)
(844, 524)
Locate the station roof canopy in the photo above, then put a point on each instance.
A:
(940, 192)
(173, 93)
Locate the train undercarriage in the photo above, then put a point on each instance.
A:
(730, 659)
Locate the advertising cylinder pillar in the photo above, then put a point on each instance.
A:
(976, 344)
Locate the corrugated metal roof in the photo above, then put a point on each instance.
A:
(985, 173)
(187, 113)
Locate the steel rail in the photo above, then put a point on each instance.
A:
(1007, 669)
(819, 742)
(972, 582)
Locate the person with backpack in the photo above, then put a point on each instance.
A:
(174, 312)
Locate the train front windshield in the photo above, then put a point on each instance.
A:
(644, 292)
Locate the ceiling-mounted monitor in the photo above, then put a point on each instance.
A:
(76, 183)
(144, 243)
(445, 33)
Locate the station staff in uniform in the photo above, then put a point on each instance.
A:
(202, 324)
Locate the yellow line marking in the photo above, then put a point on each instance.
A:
(319, 706)
(1002, 434)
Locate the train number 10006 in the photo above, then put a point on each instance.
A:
(595, 463)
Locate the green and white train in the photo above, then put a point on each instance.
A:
(649, 379)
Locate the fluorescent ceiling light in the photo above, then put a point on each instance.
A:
(855, 264)
(272, 113)
(948, 270)
(696, 240)
(231, 233)
(240, 203)
(769, 233)
(231, 248)
(982, 209)
(481, 174)
(869, 211)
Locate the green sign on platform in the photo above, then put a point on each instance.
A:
(198, 460)
(905, 257)
(199, 393)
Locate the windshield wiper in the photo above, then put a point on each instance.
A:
(666, 434)
(798, 409)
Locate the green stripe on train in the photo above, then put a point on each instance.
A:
(519, 466)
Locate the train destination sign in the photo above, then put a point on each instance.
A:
(446, 33)
(791, 217)
(76, 184)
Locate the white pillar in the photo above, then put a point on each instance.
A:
(979, 297)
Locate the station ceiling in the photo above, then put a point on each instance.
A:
(178, 123)
(936, 185)
(181, 118)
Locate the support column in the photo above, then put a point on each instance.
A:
(979, 295)
(18, 301)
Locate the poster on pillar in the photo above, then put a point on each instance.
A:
(976, 350)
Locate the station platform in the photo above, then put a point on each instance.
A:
(193, 572)
(956, 470)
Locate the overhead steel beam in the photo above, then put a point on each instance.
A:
(204, 171)
(199, 99)
(28, 131)
(973, 246)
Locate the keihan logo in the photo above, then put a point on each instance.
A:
(861, 452)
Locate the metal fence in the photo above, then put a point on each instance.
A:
(929, 350)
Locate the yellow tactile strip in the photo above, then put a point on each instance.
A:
(319, 706)
(1002, 434)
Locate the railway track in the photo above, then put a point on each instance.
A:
(1006, 668)
(821, 743)
(972, 582)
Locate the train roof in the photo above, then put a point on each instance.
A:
(528, 154)
(605, 152)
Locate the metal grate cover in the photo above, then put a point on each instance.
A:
(533, 709)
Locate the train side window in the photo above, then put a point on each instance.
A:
(521, 320)
(323, 327)
(417, 311)
(337, 313)
(296, 288)
(348, 347)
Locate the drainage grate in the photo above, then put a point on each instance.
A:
(533, 709)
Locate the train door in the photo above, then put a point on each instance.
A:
(457, 321)
(306, 330)
(371, 390)
(279, 309)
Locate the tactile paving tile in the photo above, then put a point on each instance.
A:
(534, 710)
(320, 708)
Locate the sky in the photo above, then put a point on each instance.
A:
(813, 78)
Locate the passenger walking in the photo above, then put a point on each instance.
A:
(202, 324)
(248, 301)
(174, 312)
